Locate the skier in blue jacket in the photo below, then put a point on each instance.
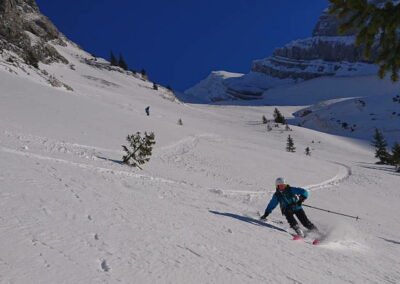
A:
(290, 199)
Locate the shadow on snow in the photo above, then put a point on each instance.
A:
(391, 241)
(111, 160)
(248, 220)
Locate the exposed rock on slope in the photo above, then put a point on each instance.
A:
(26, 32)
(326, 53)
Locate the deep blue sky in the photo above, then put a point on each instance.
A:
(179, 42)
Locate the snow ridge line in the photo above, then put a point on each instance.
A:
(86, 166)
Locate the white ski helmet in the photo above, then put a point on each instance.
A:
(280, 180)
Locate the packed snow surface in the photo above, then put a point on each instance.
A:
(72, 213)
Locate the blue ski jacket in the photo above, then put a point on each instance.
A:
(285, 198)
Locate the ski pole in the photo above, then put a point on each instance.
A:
(357, 218)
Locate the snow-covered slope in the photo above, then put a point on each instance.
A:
(356, 117)
(72, 213)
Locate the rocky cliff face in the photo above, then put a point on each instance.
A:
(325, 53)
(26, 32)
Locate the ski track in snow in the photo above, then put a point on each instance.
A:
(82, 165)
(343, 174)
(175, 149)
(27, 142)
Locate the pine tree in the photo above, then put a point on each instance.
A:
(155, 87)
(308, 151)
(264, 120)
(380, 148)
(122, 63)
(278, 117)
(290, 145)
(395, 157)
(113, 59)
(376, 26)
(180, 122)
(140, 149)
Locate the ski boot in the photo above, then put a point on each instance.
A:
(298, 231)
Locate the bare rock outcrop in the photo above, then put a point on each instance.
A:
(25, 31)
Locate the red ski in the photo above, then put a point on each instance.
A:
(316, 242)
(297, 238)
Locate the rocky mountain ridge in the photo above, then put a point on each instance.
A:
(31, 46)
(325, 53)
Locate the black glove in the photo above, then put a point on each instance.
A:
(301, 200)
(264, 217)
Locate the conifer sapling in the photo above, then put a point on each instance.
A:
(140, 149)
(395, 157)
(278, 117)
(380, 145)
(290, 145)
(264, 120)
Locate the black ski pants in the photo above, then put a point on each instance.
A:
(301, 215)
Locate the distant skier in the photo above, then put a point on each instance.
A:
(147, 110)
(290, 200)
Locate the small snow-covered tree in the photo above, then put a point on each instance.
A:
(155, 86)
(180, 122)
(290, 145)
(264, 120)
(113, 59)
(122, 63)
(308, 151)
(143, 72)
(395, 157)
(140, 148)
(380, 145)
(278, 117)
